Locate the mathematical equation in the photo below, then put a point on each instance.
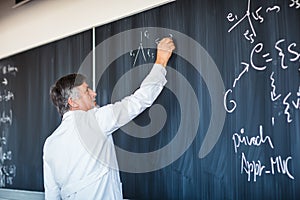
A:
(256, 15)
(230, 104)
(7, 167)
(145, 53)
(255, 169)
(283, 57)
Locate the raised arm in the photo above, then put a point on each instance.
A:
(121, 112)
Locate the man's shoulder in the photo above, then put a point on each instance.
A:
(61, 133)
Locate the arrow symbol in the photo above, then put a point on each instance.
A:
(4, 82)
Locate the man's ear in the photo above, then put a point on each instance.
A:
(72, 103)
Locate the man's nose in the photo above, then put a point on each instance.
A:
(92, 93)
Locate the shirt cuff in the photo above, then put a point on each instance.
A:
(160, 68)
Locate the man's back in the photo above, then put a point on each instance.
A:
(76, 172)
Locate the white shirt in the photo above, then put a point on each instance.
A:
(71, 170)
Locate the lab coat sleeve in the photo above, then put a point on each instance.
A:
(122, 112)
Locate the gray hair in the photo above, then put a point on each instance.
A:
(64, 88)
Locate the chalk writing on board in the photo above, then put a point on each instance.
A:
(274, 96)
(295, 3)
(296, 103)
(287, 108)
(260, 60)
(8, 69)
(6, 95)
(230, 103)
(4, 81)
(7, 167)
(141, 50)
(249, 16)
(274, 8)
(255, 169)
(239, 139)
(6, 117)
(145, 53)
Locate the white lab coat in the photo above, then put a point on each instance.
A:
(72, 170)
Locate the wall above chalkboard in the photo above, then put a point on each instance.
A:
(41, 22)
